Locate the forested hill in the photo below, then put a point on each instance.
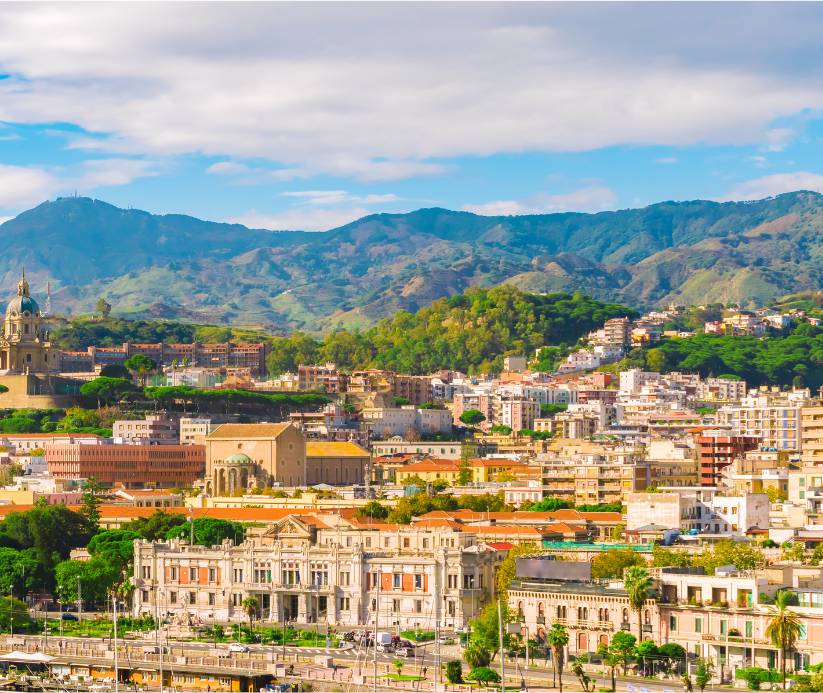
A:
(471, 332)
(178, 267)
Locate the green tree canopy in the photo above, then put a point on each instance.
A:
(472, 417)
(156, 526)
(210, 531)
(613, 562)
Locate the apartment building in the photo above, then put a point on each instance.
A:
(515, 412)
(324, 568)
(154, 429)
(399, 420)
(194, 430)
(634, 380)
(326, 378)
(718, 451)
(720, 389)
(776, 420)
(481, 401)
(617, 332)
(483, 470)
(452, 450)
(227, 355)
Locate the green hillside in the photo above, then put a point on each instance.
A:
(179, 268)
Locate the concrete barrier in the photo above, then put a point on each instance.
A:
(324, 660)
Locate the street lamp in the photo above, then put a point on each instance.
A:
(11, 611)
(60, 587)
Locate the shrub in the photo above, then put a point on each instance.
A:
(483, 675)
(454, 672)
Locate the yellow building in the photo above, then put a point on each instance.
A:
(449, 470)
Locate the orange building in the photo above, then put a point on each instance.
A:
(128, 466)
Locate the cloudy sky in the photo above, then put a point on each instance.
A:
(310, 115)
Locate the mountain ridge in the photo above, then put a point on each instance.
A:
(361, 272)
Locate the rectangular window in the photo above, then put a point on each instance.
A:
(749, 629)
(193, 574)
(723, 626)
(211, 598)
(396, 580)
(212, 574)
(468, 582)
(344, 578)
(395, 606)
(425, 543)
(348, 541)
(698, 625)
(385, 542)
(344, 603)
(418, 606)
(368, 542)
(172, 597)
(418, 582)
(173, 574)
(672, 624)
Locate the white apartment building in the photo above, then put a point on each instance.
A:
(581, 360)
(606, 414)
(396, 422)
(775, 419)
(721, 389)
(193, 430)
(514, 363)
(323, 568)
(632, 381)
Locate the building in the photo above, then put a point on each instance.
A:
(399, 420)
(451, 450)
(776, 420)
(514, 363)
(25, 346)
(155, 428)
(248, 456)
(515, 412)
(721, 389)
(617, 332)
(324, 568)
(127, 466)
(718, 451)
(326, 378)
(194, 430)
(483, 470)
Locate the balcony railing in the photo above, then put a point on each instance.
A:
(578, 623)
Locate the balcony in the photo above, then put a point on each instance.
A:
(586, 624)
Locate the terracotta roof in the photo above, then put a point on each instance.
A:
(564, 527)
(483, 529)
(603, 517)
(436, 522)
(500, 545)
(437, 515)
(566, 514)
(311, 520)
(248, 431)
(497, 463)
(332, 449)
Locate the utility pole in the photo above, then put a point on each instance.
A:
(116, 676)
(11, 611)
(376, 626)
(79, 603)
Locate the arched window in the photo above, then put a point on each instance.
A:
(625, 615)
(540, 609)
(647, 619)
(356, 475)
(585, 613)
(520, 608)
(317, 474)
(580, 616)
(605, 614)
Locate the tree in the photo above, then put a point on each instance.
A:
(785, 628)
(671, 653)
(663, 557)
(477, 656)
(622, 646)
(156, 526)
(610, 661)
(114, 545)
(775, 494)
(97, 576)
(656, 361)
(14, 610)
(210, 531)
(398, 664)
(506, 476)
(483, 675)
(638, 586)
(704, 672)
(412, 435)
(793, 551)
(558, 638)
(93, 497)
(472, 417)
(485, 628)
(579, 672)
(106, 388)
(646, 651)
(373, 509)
(115, 370)
(465, 471)
(142, 365)
(550, 505)
(613, 562)
(727, 552)
(103, 308)
(454, 672)
(506, 571)
(251, 607)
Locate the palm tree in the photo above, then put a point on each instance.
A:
(476, 656)
(252, 608)
(784, 628)
(638, 586)
(558, 638)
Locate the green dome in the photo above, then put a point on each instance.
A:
(22, 304)
(239, 458)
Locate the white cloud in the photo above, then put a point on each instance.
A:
(665, 160)
(22, 186)
(381, 92)
(758, 161)
(588, 199)
(224, 168)
(105, 172)
(333, 197)
(300, 219)
(770, 186)
(3, 220)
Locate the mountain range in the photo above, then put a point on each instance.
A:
(178, 267)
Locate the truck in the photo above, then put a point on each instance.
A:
(383, 639)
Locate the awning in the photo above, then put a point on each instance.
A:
(27, 657)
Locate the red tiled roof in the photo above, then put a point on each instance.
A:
(500, 545)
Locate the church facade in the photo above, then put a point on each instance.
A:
(24, 345)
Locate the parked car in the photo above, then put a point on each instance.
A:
(446, 639)
(69, 617)
(238, 647)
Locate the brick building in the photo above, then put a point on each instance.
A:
(719, 451)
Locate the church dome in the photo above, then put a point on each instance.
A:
(23, 302)
(239, 458)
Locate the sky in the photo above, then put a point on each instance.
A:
(311, 115)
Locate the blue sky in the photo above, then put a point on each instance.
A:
(308, 116)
